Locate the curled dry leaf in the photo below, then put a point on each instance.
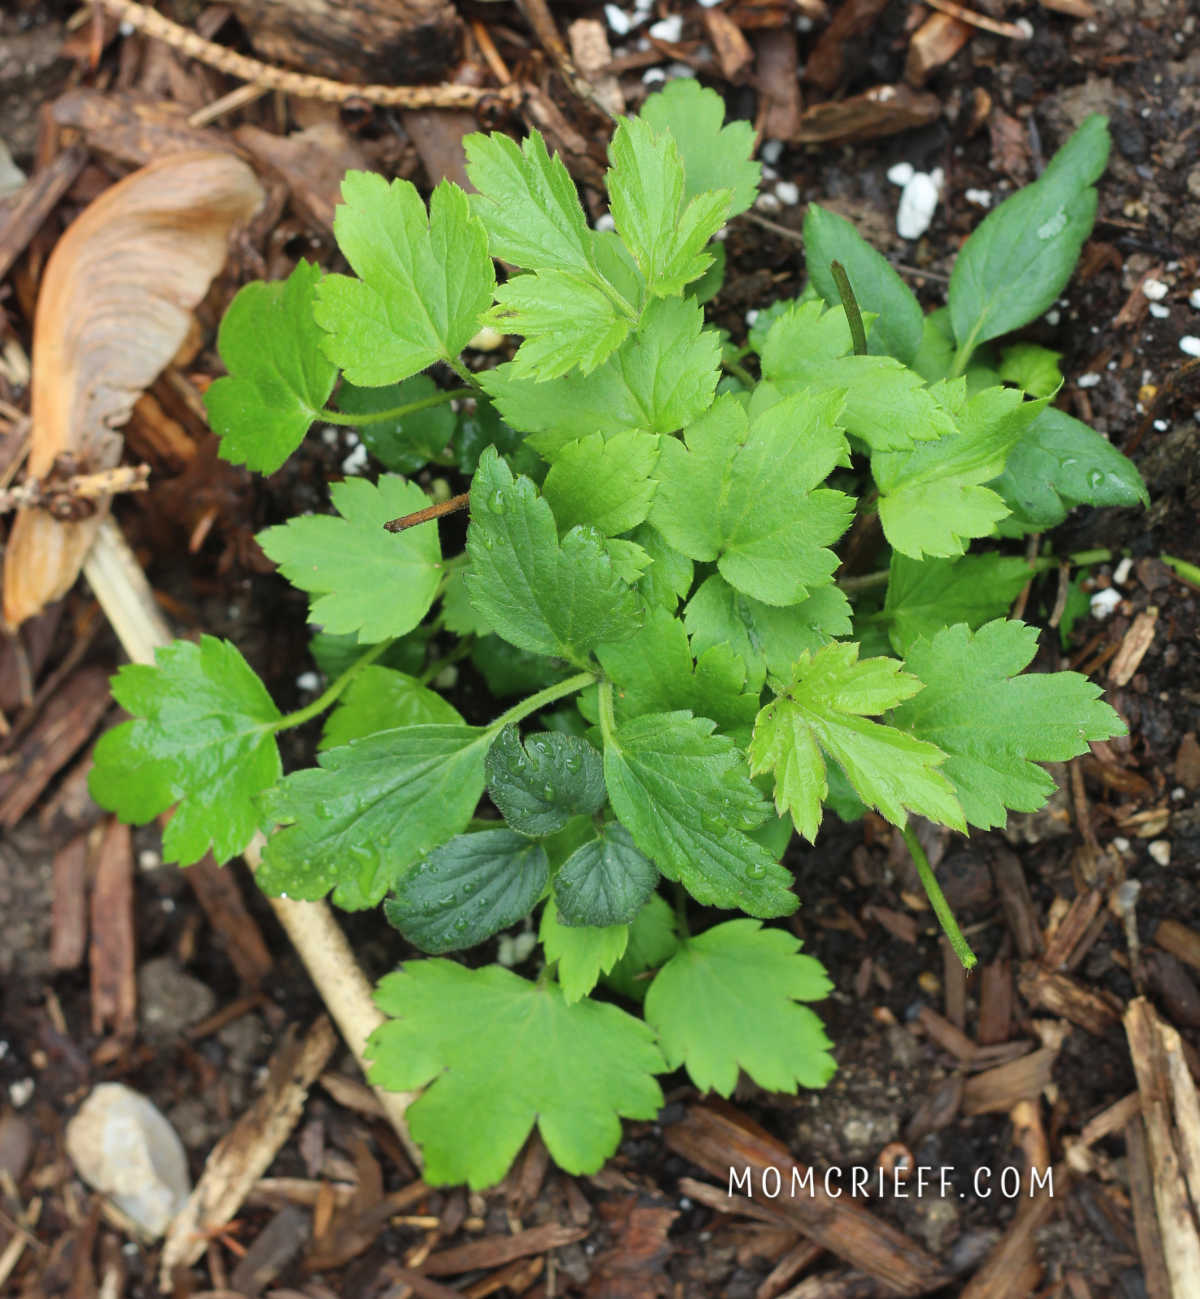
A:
(115, 305)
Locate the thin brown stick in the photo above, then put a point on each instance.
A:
(153, 24)
(451, 506)
(63, 497)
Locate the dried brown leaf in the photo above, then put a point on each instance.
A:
(115, 305)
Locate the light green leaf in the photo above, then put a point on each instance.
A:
(931, 499)
(662, 377)
(203, 736)
(509, 1053)
(539, 785)
(603, 482)
(583, 952)
(604, 882)
(886, 405)
(699, 1000)
(279, 379)
(566, 319)
(877, 288)
(823, 710)
(715, 157)
(653, 672)
(769, 524)
(925, 595)
(995, 725)
(685, 796)
(665, 232)
(1032, 368)
(669, 575)
(365, 580)
(652, 940)
(372, 808)
(765, 638)
(541, 595)
(528, 202)
(379, 699)
(469, 889)
(423, 283)
(1022, 253)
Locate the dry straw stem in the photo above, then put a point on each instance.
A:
(154, 25)
(125, 595)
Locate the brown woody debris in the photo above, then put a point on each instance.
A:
(720, 1140)
(938, 39)
(112, 953)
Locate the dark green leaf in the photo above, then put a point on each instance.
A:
(541, 784)
(606, 882)
(469, 889)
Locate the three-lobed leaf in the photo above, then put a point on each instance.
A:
(540, 594)
(603, 482)
(765, 521)
(364, 580)
(203, 736)
(659, 380)
(666, 231)
(424, 279)
(825, 708)
(510, 1054)
(994, 724)
(279, 378)
(714, 156)
(582, 954)
(698, 1006)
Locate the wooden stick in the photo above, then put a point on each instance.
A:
(125, 595)
(1176, 1219)
(154, 25)
(451, 506)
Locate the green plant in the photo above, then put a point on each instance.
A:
(650, 565)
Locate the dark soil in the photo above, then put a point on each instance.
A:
(862, 914)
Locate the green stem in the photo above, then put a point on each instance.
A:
(465, 375)
(438, 398)
(962, 356)
(739, 372)
(937, 899)
(1081, 558)
(331, 692)
(864, 581)
(456, 655)
(608, 718)
(850, 304)
(518, 712)
(681, 901)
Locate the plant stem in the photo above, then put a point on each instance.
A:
(850, 303)
(1081, 558)
(518, 712)
(329, 695)
(739, 372)
(465, 375)
(681, 901)
(438, 398)
(608, 718)
(937, 899)
(864, 581)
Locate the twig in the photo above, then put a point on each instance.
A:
(68, 498)
(451, 506)
(154, 25)
(125, 595)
